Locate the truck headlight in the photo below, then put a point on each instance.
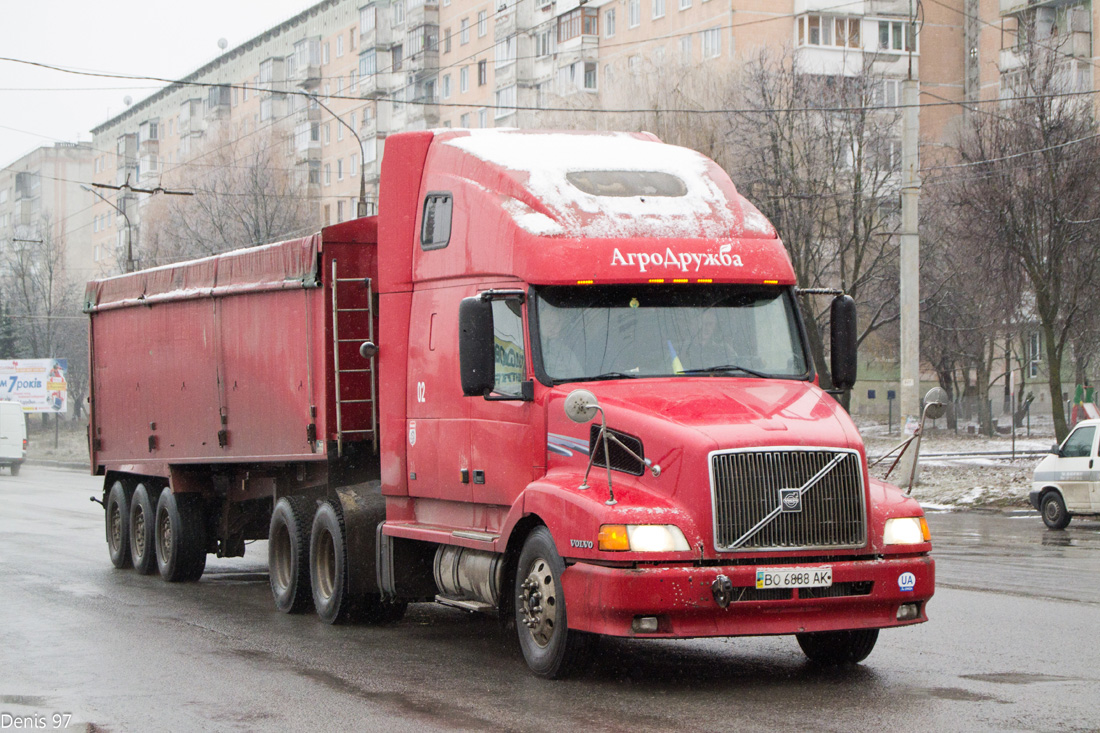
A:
(642, 538)
(906, 531)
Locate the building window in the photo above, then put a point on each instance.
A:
(685, 4)
(894, 35)
(328, 174)
(446, 86)
(590, 75)
(339, 132)
(339, 211)
(505, 101)
(398, 12)
(658, 9)
(887, 93)
(328, 133)
(340, 169)
(447, 40)
(339, 46)
(324, 54)
(398, 57)
(464, 31)
(609, 23)
(505, 52)
(482, 24)
(464, 120)
(353, 165)
(367, 19)
(583, 20)
(483, 117)
(633, 13)
(542, 43)
(464, 80)
(368, 64)
(828, 30)
(482, 73)
(712, 43)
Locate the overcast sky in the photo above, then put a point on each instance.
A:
(167, 39)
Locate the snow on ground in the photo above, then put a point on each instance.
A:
(977, 480)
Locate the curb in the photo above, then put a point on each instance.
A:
(74, 465)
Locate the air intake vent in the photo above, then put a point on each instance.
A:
(621, 460)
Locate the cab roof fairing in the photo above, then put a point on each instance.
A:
(607, 238)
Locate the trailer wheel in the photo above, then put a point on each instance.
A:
(288, 553)
(834, 648)
(143, 552)
(117, 520)
(180, 537)
(1055, 515)
(550, 648)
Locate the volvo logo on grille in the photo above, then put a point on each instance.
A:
(790, 500)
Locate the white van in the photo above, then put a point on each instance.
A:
(13, 436)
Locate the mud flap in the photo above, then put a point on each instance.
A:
(364, 509)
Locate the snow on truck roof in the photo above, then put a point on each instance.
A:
(615, 184)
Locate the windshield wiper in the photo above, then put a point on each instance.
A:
(726, 368)
(608, 375)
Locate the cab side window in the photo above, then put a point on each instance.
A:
(435, 225)
(1079, 444)
(508, 353)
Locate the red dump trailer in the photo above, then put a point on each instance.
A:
(406, 407)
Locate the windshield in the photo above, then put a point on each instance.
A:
(625, 331)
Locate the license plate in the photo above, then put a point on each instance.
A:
(794, 577)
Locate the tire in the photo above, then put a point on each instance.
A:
(15, 469)
(834, 648)
(1054, 511)
(328, 564)
(117, 521)
(288, 553)
(551, 649)
(143, 541)
(180, 537)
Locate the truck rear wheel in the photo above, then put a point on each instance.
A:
(328, 573)
(143, 552)
(833, 648)
(117, 519)
(180, 537)
(551, 649)
(15, 468)
(288, 553)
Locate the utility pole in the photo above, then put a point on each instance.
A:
(910, 241)
(129, 228)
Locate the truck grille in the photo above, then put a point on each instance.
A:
(746, 488)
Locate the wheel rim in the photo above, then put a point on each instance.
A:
(1053, 512)
(280, 547)
(164, 535)
(116, 528)
(139, 532)
(326, 565)
(538, 602)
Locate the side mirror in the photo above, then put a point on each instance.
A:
(843, 336)
(475, 346)
(1056, 450)
(368, 350)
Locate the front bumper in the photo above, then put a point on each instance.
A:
(606, 600)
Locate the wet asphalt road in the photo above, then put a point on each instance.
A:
(1010, 646)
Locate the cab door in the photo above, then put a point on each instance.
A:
(1078, 471)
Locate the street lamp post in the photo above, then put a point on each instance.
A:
(129, 228)
(361, 209)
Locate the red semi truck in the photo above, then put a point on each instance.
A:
(560, 376)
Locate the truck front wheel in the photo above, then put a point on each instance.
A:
(142, 531)
(1055, 515)
(180, 537)
(550, 648)
(288, 553)
(118, 526)
(835, 648)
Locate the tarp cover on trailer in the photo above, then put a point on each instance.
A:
(279, 266)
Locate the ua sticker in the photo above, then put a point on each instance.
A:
(412, 433)
(906, 582)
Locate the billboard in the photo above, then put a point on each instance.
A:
(40, 385)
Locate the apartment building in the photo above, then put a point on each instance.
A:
(41, 198)
(345, 71)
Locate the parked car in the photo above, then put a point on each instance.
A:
(1067, 482)
(13, 436)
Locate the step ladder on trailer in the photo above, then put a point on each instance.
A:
(356, 298)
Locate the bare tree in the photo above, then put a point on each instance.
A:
(820, 155)
(1032, 199)
(244, 196)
